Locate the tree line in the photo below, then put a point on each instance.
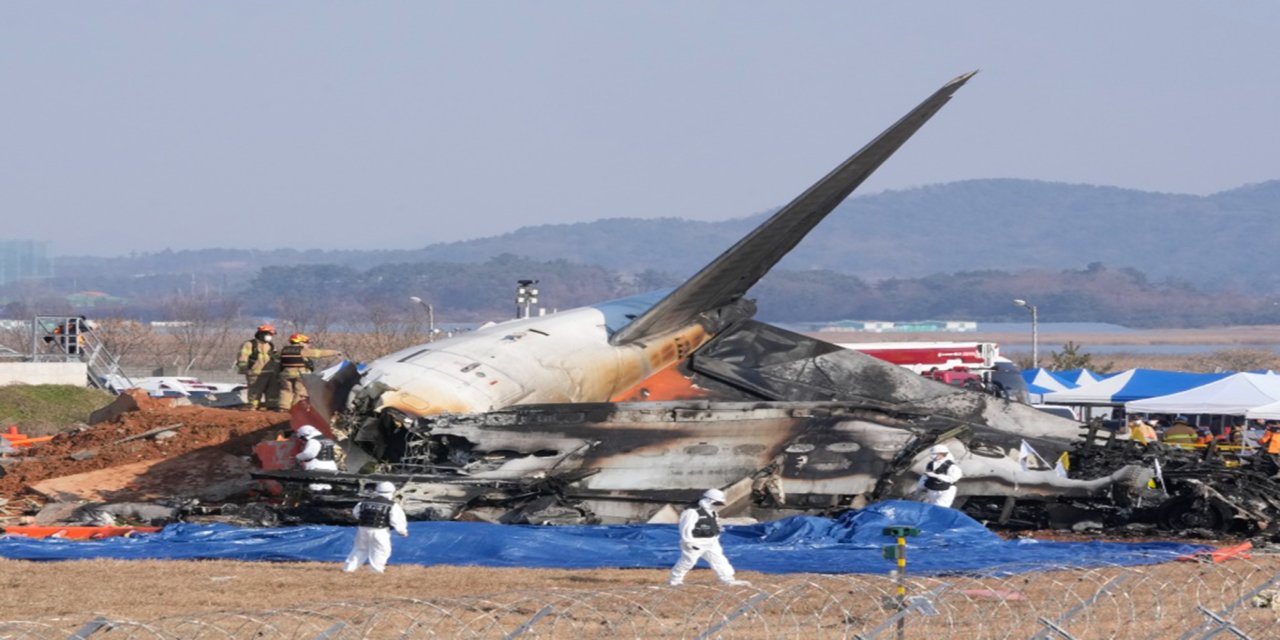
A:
(324, 296)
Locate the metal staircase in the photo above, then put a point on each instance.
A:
(70, 339)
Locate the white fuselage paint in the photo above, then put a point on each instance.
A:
(564, 357)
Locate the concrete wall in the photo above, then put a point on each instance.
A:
(75, 373)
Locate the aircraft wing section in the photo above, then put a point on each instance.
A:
(729, 276)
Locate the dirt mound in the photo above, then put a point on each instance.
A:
(230, 431)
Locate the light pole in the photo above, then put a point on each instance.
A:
(526, 297)
(431, 318)
(1035, 332)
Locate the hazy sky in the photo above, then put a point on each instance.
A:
(144, 126)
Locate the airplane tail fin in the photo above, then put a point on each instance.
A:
(729, 276)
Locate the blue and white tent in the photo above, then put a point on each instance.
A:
(1231, 396)
(1134, 384)
(1079, 377)
(1042, 381)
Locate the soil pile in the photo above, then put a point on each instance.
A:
(233, 432)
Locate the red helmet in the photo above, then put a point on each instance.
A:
(298, 338)
(266, 328)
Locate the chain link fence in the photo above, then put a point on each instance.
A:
(1176, 600)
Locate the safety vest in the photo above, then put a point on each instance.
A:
(707, 526)
(375, 513)
(291, 357)
(933, 484)
(327, 450)
(1271, 441)
(1142, 433)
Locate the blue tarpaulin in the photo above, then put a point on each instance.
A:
(949, 542)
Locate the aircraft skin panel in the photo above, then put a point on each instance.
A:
(729, 276)
(564, 357)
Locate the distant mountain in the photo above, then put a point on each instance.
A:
(1215, 242)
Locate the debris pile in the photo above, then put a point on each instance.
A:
(1198, 491)
(145, 449)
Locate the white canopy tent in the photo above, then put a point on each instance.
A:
(1232, 396)
(1265, 412)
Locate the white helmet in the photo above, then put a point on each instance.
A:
(938, 448)
(385, 488)
(714, 495)
(307, 431)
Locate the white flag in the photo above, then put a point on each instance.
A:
(1159, 476)
(1025, 453)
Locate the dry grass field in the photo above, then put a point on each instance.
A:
(298, 600)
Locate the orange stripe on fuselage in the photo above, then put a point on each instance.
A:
(667, 384)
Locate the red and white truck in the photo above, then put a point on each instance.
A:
(973, 365)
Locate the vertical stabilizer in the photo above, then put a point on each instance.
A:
(729, 276)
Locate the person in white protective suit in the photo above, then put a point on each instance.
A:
(938, 482)
(377, 516)
(318, 454)
(700, 538)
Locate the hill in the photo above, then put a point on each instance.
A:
(962, 226)
(1209, 241)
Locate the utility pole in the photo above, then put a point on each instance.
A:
(1035, 332)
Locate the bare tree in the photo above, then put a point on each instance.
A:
(128, 340)
(306, 314)
(16, 336)
(203, 323)
(389, 328)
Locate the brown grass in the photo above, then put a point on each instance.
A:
(1152, 601)
(150, 589)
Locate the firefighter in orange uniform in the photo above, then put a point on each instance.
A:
(256, 362)
(1205, 436)
(1270, 443)
(296, 359)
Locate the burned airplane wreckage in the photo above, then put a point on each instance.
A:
(623, 411)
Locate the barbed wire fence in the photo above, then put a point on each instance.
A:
(1238, 598)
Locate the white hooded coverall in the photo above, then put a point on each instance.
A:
(307, 458)
(373, 544)
(692, 548)
(952, 475)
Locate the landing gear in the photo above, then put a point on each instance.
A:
(1194, 513)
